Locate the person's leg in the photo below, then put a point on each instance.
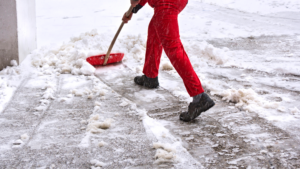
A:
(153, 52)
(168, 31)
(152, 59)
(166, 24)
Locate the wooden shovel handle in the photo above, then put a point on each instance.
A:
(128, 13)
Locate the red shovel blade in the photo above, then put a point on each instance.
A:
(99, 59)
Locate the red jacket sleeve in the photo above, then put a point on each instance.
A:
(143, 2)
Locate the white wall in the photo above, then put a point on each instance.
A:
(26, 15)
(17, 30)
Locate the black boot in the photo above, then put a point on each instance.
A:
(146, 81)
(195, 109)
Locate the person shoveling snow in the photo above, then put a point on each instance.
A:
(163, 33)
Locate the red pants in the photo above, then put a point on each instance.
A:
(163, 33)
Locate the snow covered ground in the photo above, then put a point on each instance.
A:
(246, 54)
(258, 6)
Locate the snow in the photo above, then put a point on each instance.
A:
(13, 63)
(258, 6)
(102, 143)
(94, 126)
(97, 163)
(87, 69)
(24, 137)
(167, 66)
(295, 111)
(255, 83)
(163, 156)
(245, 97)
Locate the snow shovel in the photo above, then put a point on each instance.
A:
(108, 58)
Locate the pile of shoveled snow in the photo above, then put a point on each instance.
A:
(70, 58)
(205, 52)
(245, 98)
(11, 70)
(164, 153)
(48, 94)
(2, 84)
(10, 78)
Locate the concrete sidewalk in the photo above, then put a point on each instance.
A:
(56, 134)
(50, 123)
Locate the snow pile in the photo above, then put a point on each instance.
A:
(97, 164)
(295, 111)
(81, 92)
(70, 57)
(207, 52)
(13, 63)
(10, 79)
(95, 126)
(48, 94)
(11, 71)
(245, 98)
(86, 68)
(96, 90)
(3, 84)
(164, 153)
(135, 47)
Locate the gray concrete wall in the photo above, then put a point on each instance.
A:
(8, 32)
(17, 30)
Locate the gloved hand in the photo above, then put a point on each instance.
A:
(125, 18)
(136, 5)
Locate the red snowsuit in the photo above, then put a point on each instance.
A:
(163, 33)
